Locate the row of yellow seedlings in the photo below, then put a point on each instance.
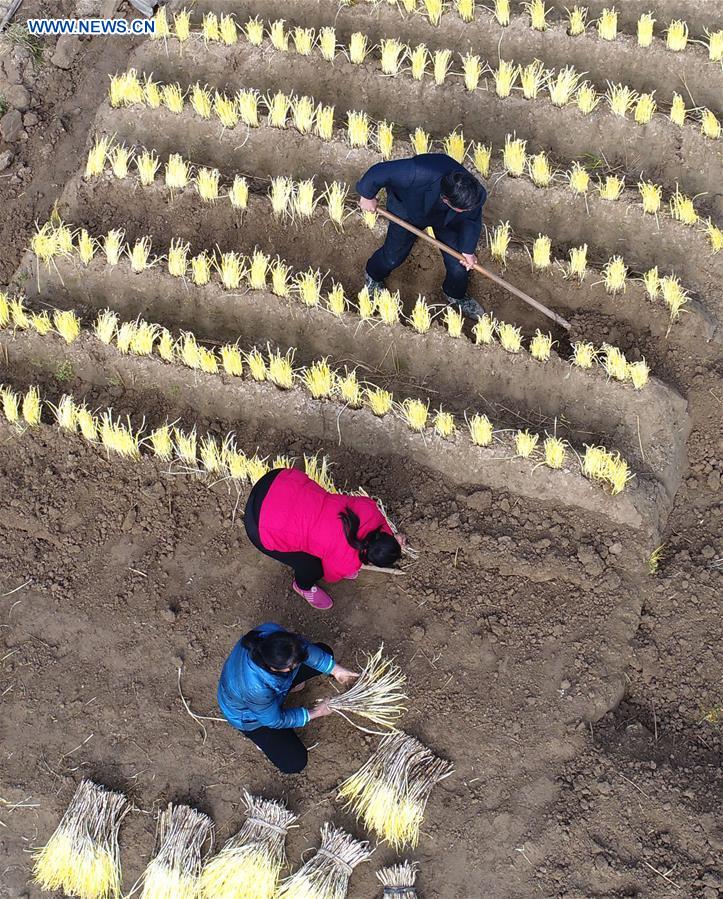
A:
(578, 21)
(143, 338)
(307, 116)
(565, 86)
(259, 272)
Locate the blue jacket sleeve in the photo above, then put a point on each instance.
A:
(397, 175)
(270, 713)
(469, 237)
(318, 659)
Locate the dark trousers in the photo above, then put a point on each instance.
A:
(307, 568)
(398, 245)
(281, 746)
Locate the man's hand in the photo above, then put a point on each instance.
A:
(343, 675)
(402, 539)
(320, 710)
(368, 205)
(469, 260)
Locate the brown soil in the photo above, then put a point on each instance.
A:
(574, 692)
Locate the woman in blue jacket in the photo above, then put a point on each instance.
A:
(265, 666)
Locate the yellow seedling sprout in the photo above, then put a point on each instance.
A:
(96, 157)
(409, 5)
(201, 269)
(537, 12)
(715, 45)
(281, 369)
(239, 193)
(677, 110)
(166, 345)
(86, 247)
(211, 456)
(349, 389)
(533, 78)
(236, 464)
(185, 446)
(505, 76)
(335, 196)
(232, 360)
(614, 362)
(11, 405)
(5, 314)
(442, 65)
(434, 9)
(418, 60)
(44, 243)
(620, 98)
(119, 438)
(514, 155)
(651, 281)
(578, 178)
(500, 241)
(578, 262)
(385, 139)
(710, 127)
(188, 350)
(576, 20)
(87, 423)
(140, 254)
(280, 277)
(225, 109)
(65, 413)
(161, 443)
(540, 171)
(319, 379)
(324, 126)
(120, 160)
(502, 12)
(144, 338)
(583, 354)
(510, 337)
(247, 104)
(444, 424)
(615, 274)
(67, 324)
(541, 252)
(392, 53)
(178, 258)
(152, 93)
(256, 468)
(526, 444)
(645, 108)
(19, 315)
(563, 85)
(227, 31)
(41, 322)
(380, 401)
(607, 24)
(307, 286)
(64, 239)
(638, 372)
(676, 36)
(280, 194)
(254, 31)
(617, 473)
(327, 43)
(587, 98)
(682, 208)
(177, 172)
(674, 295)
(480, 429)
(182, 25)
(420, 141)
(172, 98)
(303, 39)
(369, 218)
(611, 188)
(124, 336)
(455, 146)
(482, 156)
(209, 27)
(651, 195)
(302, 111)
(465, 9)
(358, 48)
(357, 129)
(365, 304)
(715, 236)
(257, 366)
(147, 164)
(645, 29)
(336, 301)
(303, 199)
(554, 449)
(484, 330)
(421, 317)
(472, 71)
(206, 182)
(125, 89)
(258, 270)
(454, 320)
(230, 267)
(388, 306)
(202, 102)
(278, 107)
(279, 36)
(32, 407)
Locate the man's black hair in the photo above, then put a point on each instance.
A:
(463, 190)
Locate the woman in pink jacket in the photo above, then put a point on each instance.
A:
(319, 534)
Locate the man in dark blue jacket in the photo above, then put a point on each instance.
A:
(427, 190)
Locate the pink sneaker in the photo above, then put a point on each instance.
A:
(316, 597)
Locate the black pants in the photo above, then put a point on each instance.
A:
(281, 746)
(307, 568)
(398, 245)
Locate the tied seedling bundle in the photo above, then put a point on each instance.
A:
(326, 874)
(389, 793)
(398, 880)
(377, 696)
(249, 865)
(81, 858)
(175, 871)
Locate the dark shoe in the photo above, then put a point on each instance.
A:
(371, 285)
(467, 306)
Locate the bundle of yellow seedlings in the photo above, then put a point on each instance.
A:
(682, 208)
(651, 195)
(587, 98)
(209, 27)
(125, 89)
(365, 304)
(444, 424)
(357, 129)
(230, 267)
(651, 280)
(645, 29)
(225, 109)
(541, 346)
(576, 20)
(554, 450)
(500, 241)
(278, 35)
(392, 53)
(87, 423)
(455, 146)
(41, 322)
(578, 178)
(415, 413)
(65, 413)
(421, 317)
(526, 444)
(256, 365)
(258, 269)
(247, 105)
(96, 157)
(336, 301)
(161, 443)
(465, 9)
(380, 401)
(482, 156)
(563, 85)
(324, 127)
(677, 110)
(250, 863)
(420, 141)
(434, 9)
(11, 405)
(277, 107)
(614, 362)
(280, 194)
(358, 48)
(349, 389)
(176, 868)
(537, 12)
(152, 93)
(638, 373)
(239, 193)
(19, 315)
(32, 407)
(182, 24)
(472, 71)
(335, 196)
(303, 199)
(227, 31)
(505, 76)
(86, 247)
(715, 236)
(600, 464)
(620, 99)
(67, 324)
(510, 337)
(715, 45)
(254, 31)
(120, 160)
(385, 139)
(390, 791)
(674, 295)
(533, 78)
(140, 254)
(611, 188)
(280, 368)
(201, 266)
(211, 456)
(119, 438)
(82, 858)
(607, 24)
(166, 345)
(307, 286)
(178, 258)
(327, 43)
(144, 338)
(615, 274)
(454, 320)
(5, 314)
(514, 155)
(480, 429)
(280, 277)
(177, 172)
(232, 360)
(172, 98)
(485, 329)
(147, 164)
(319, 379)
(583, 354)
(44, 243)
(540, 171)
(578, 262)
(326, 874)
(418, 59)
(185, 446)
(676, 36)
(378, 695)
(303, 39)
(124, 336)
(645, 108)
(388, 306)
(710, 127)
(442, 65)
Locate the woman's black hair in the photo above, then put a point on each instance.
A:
(463, 191)
(275, 651)
(377, 547)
